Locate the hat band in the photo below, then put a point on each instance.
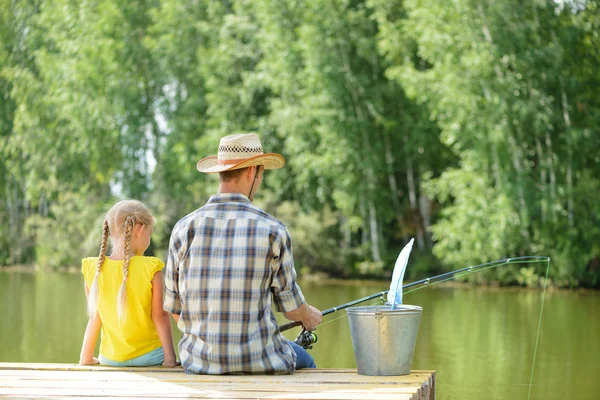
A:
(231, 162)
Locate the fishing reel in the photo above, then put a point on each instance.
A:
(306, 339)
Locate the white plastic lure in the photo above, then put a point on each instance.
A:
(394, 296)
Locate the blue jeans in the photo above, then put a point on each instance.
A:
(154, 357)
(303, 359)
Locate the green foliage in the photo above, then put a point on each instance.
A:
(71, 231)
(314, 237)
(505, 82)
(469, 125)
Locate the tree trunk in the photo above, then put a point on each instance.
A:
(543, 186)
(518, 165)
(550, 160)
(364, 235)
(374, 232)
(567, 119)
(389, 160)
(412, 197)
(14, 218)
(360, 115)
(424, 206)
(346, 240)
(496, 166)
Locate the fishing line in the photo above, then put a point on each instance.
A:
(537, 337)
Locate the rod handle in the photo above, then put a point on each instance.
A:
(289, 326)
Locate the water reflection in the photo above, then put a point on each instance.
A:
(480, 341)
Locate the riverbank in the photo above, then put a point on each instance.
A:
(321, 277)
(36, 268)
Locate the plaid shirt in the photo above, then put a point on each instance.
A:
(228, 261)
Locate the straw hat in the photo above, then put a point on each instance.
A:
(239, 151)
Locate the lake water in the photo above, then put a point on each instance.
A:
(480, 341)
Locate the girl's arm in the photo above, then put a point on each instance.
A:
(89, 338)
(162, 321)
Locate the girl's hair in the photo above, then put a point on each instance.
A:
(119, 222)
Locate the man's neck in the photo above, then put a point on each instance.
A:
(229, 187)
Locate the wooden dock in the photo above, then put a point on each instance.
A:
(21, 380)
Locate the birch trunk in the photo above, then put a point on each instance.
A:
(516, 151)
(424, 207)
(389, 159)
(567, 119)
(543, 186)
(14, 220)
(364, 236)
(412, 197)
(496, 166)
(374, 232)
(360, 114)
(518, 165)
(346, 239)
(552, 176)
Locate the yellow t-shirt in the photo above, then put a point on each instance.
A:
(137, 335)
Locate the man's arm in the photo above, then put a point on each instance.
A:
(308, 315)
(287, 295)
(171, 301)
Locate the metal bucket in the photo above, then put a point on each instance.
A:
(384, 339)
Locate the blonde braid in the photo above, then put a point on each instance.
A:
(122, 296)
(93, 292)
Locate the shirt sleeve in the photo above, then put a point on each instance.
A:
(155, 265)
(86, 271)
(172, 302)
(287, 295)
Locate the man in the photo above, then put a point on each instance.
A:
(228, 262)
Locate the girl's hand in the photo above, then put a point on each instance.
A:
(91, 361)
(173, 363)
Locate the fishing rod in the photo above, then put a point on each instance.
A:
(307, 338)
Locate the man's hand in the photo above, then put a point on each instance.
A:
(313, 319)
(309, 316)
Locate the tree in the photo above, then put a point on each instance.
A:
(495, 82)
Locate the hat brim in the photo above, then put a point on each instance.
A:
(211, 164)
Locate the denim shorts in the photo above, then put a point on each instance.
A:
(154, 357)
(303, 358)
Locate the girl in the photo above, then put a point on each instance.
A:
(125, 295)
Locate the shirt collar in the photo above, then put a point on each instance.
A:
(220, 198)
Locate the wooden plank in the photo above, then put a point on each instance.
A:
(202, 394)
(117, 375)
(220, 395)
(88, 383)
(91, 382)
(77, 367)
(64, 382)
(316, 396)
(91, 389)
